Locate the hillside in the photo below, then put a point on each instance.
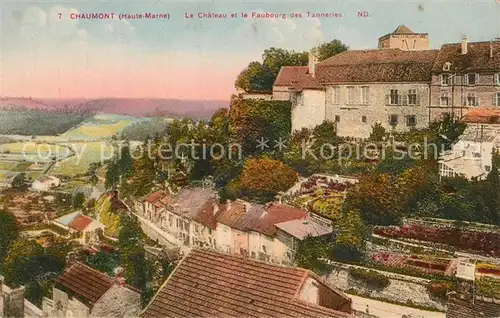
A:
(123, 106)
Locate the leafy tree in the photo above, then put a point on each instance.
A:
(350, 241)
(377, 198)
(310, 252)
(378, 133)
(78, 200)
(447, 130)
(265, 175)
(19, 182)
(255, 120)
(104, 261)
(9, 232)
(329, 49)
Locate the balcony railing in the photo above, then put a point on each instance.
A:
(402, 100)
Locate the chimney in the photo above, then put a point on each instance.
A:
(491, 49)
(312, 61)
(464, 45)
(13, 303)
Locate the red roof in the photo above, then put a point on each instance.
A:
(207, 283)
(80, 222)
(482, 115)
(154, 196)
(297, 77)
(277, 213)
(85, 282)
(206, 216)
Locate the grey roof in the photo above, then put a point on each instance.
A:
(480, 133)
(118, 301)
(302, 228)
(190, 201)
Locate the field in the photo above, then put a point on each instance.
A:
(86, 153)
(100, 127)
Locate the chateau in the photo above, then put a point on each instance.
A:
(401, 85)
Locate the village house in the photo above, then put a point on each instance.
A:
(464, 76)
(151, 205)
(45, 183)
(207, 283)
(194, 218)
(81, 291)
(81, 226)
(13, 303)
(471, 156)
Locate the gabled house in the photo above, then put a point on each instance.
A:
(81, 291)
(207, 283)
(84, 227)
(45, 183)
(151, 205)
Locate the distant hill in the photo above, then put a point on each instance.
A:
(124, 106)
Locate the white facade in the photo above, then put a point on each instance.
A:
(308, 109)
(471, 155)
(45, 183)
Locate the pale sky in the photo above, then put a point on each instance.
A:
(46, 57)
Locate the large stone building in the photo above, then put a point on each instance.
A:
(402, 85)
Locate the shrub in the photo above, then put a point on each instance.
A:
(489, 287)
(370, 277)
(439, 289)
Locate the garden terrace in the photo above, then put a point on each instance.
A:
(422, 264)
(484, 242)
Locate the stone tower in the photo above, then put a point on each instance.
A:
(405, 39)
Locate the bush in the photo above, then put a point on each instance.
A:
(370, 277)
(439, 289)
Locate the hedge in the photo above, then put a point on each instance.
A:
(370, 277)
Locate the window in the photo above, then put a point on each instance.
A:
(445, 100)
(363, 119)
(497, 79)
(253, 254)
(393, 120)
(487, 168)
(412, 97)
(170, 220)
(445, 79)
(337, 118)
(470, 79)
(364, 95)
(264, 248)
(411, 120)
(476, 155)
(472, 100)
(496, 99)
(351, 95)
(336, 95)
(447, 66)
(394, 97)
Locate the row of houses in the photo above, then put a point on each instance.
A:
(195, 218)
(402, 85)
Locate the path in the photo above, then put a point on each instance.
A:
(386, 310)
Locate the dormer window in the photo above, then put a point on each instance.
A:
(471, 79)
(447, 66)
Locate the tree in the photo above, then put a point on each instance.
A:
(378, 133)
(9, 232)
(19, 182)
(310, 252)
(265, 176)
(78, 200)
(377, 198)
(329, 49)
(351, 238)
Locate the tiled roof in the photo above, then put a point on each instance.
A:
(85, 282)
(120, 301)
(154, 196)
(297, 78)
(302, 228)
(482, 308)
(206, 215)
(274, 214)
(212, 284)
(482, 115)
(477, 57)
(388, 65)
(196, 203)
(80, 222)
(239, 214)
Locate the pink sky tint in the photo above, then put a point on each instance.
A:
(185, 83)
